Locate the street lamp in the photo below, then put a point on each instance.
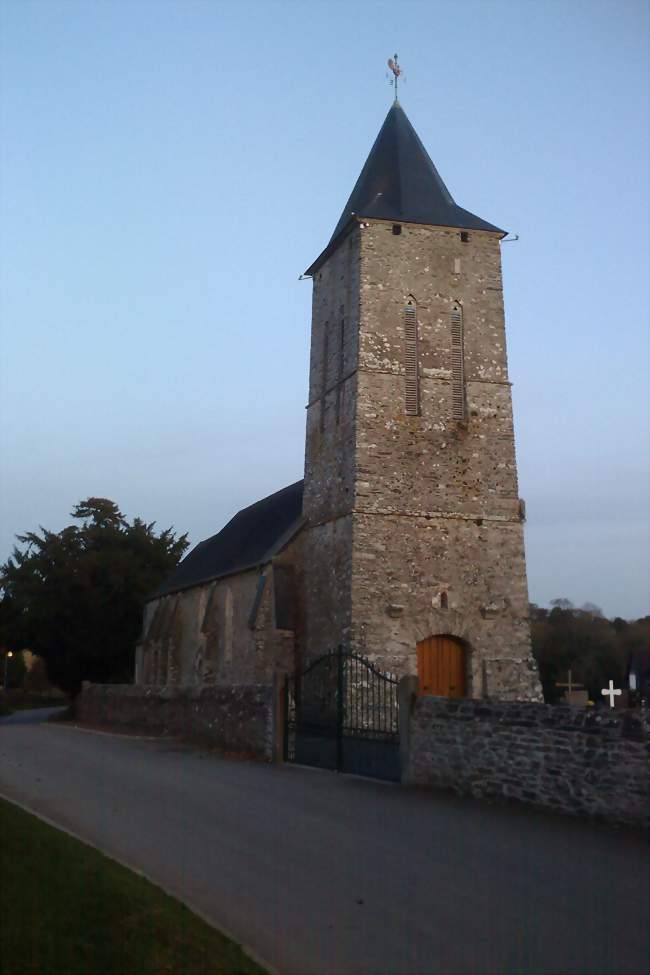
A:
(7, 655)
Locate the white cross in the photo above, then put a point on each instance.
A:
(610, 692)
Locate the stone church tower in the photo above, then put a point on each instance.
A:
(413, 547)
(405, 540)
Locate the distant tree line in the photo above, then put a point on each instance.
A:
(595, 648)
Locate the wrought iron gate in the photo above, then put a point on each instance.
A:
(341, 713)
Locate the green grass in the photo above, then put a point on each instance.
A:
(66, 909)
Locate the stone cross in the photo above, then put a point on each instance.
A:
(611, 692)
(570, 685)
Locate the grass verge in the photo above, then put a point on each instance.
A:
(66, 909)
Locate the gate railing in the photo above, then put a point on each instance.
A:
(341, 695)
(369, 699)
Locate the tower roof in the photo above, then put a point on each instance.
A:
(400, 183)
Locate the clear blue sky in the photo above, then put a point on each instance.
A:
(168, 170)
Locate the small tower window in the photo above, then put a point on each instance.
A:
(323, 396)
(412, 386)
(397, 229)
(341, 365)
(444, 600)
(464, 236)
(458, 410)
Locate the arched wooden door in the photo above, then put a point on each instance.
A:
(441, 666)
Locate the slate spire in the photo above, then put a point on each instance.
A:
(400, 183)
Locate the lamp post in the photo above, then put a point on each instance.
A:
(7, 655)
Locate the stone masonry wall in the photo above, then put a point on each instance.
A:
(436, 500)
(236, 718)
(203, 635)
(433, 502)
(587, 762)
(200, 635)
(404, 562)
(326, 587)
(325, 590)
(331, 410)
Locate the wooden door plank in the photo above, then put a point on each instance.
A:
(441, 666)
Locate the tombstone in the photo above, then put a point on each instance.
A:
(574, 694)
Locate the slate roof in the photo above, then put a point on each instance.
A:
(400, 183)
(249, 539)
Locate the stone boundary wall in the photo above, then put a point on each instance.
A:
(584, 762)
(238, 718)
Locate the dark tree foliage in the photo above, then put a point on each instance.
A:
(596, 649)
(13, 668)
(75, 597)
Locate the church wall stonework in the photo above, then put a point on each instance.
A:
(434, 501)
(220, 633)
(581, 761)
(238, 718)
(199, 635)
(327, 587)
(325, 584)
(402, 565)
(331, 410)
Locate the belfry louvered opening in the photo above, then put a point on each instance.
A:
(341, 366)
(323, 376)
(411, 378)
(458, 409)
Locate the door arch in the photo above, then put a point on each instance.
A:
(441, 666)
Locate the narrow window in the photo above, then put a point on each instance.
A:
(227, 626)
(457, 365)
(464, 236)
(326, 343)
(444, 600)
(412, 390)
(339, 386)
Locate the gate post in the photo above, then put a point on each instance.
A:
(407, 691)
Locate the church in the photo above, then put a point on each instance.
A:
(404, 541)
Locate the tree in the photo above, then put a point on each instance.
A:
(581, 639)
(13, 669)
(75, 597)
(35, 681)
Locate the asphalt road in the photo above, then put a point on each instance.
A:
(337, 875)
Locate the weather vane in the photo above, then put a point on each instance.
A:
(395, 68)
